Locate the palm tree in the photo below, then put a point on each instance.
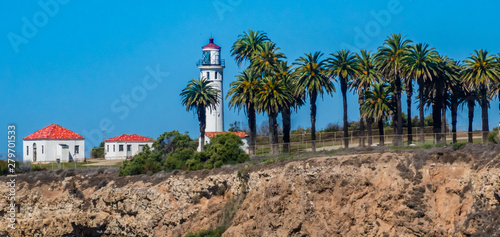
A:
(482, 71)
(200, 95)
(436, 93)
(343, 65)
(420, 66)
(390, 61)
(455, 90)
(243, 93)
(311, 81)
(379, 106)
(367, 76)
(283, 73)
(247, 44)
(469, 98)
(266, 58)
(273, 96)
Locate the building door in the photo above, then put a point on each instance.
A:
(63, 152)
(34, 152)
(129, 151)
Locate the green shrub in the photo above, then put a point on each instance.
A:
(98, 151)
(493, 138)
(173, 150)
(207, 233)
(459, 144)
(427, 146)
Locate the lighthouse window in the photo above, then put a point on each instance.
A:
(206, 57)
(215, 75)
(208, 75)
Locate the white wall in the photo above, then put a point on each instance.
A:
(46, 150)
(207, 140)
(111, 154)
(215, 117)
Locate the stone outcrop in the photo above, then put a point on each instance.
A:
(417, 192)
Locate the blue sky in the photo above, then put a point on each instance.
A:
(75, 62)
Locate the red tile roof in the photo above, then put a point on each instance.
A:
(213, 134)
(55, 132)
(130, 138)
(211, 45)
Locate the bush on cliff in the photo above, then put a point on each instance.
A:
(173, 150)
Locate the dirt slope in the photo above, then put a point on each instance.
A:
(434, 192)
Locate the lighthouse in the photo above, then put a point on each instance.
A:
(211, 68)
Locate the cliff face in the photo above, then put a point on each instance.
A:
(436, 192)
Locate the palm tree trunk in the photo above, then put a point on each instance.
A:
(203, 124)
(409, 94)
(484, 113)
(286, 115)
(394, 130)
(436, 120)
(343, 88)
(361, 123)
(273, 134)
(252, 125)
(421, 110)
(312, 101)
(454, 108)
(399, 115)
(381, 132)
(369, 122)
(443, 118)
(470, 107)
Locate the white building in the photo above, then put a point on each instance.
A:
(53, 143)
(211, 68)
(125, 146)
(210, 135)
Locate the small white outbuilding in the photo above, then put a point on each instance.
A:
(53, 143)
(125, 146)
(209, 135)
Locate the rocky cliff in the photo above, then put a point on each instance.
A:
(374, 192)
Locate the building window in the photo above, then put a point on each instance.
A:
(206, 57)
(120, 147)
(107, 148)
(215, 75)
(129, 147)
(77, 149)
(208, 75)
(42, 149)
(27, 150)
(113, 148)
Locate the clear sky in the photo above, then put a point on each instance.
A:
(122, 64)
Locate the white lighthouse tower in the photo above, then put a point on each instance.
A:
(211, 67)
